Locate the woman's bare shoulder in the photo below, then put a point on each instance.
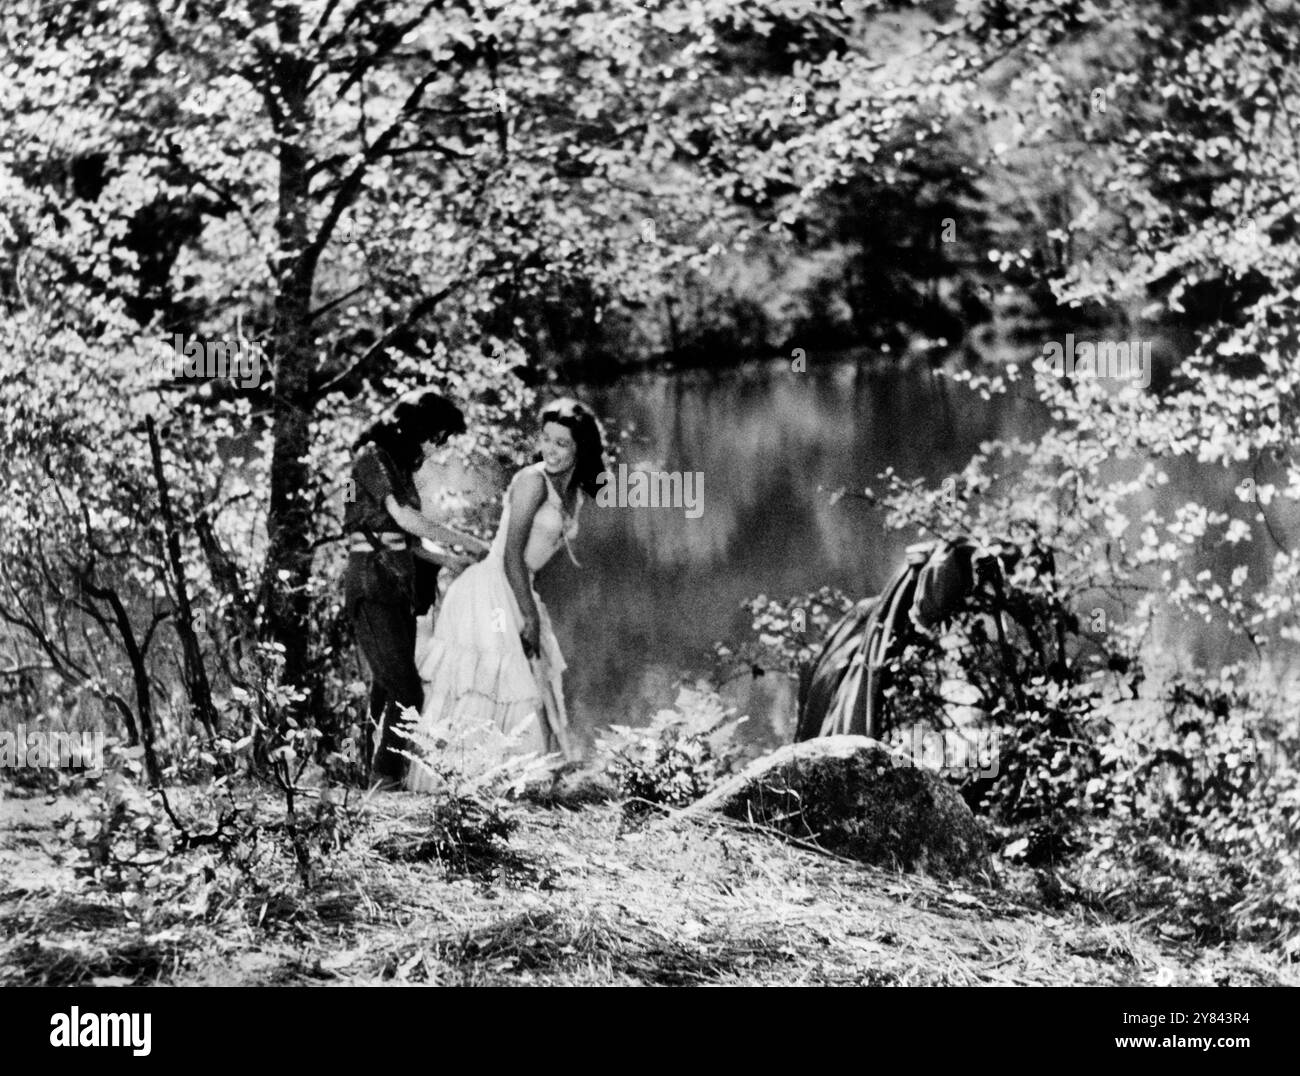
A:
(528, 484)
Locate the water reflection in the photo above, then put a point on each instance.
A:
(658, 589)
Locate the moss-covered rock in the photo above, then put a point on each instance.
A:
(853, 796)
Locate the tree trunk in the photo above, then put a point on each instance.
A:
(288, 567)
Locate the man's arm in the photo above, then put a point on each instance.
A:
(445, 560)
(415, 522)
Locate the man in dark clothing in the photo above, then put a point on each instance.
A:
(382, 592)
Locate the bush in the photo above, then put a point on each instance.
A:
(677, 757)
(1197, 817)
(472, 759)
(220, 856)
(473, 768)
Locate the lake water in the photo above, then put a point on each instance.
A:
(657, 589)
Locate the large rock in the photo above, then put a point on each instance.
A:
(853, 796)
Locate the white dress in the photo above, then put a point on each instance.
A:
(474, 667)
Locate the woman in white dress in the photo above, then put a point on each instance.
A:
(493, 655)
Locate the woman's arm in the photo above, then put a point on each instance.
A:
(527, 494)
(417, 523)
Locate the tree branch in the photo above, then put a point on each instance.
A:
(144, 704)
(23, 670)
(418, 311)
(351, 184)
(325, 308)
(392, 36)
(196, 675)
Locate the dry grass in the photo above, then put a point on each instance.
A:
(580, 899)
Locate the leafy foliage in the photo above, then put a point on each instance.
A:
(677, 757)
(789, 632)
(471, 758)
(215, 858)
(1196, 816)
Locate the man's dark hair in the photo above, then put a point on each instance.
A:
(416, 418)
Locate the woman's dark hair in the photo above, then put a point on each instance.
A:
(417, 417)
(590, 459)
